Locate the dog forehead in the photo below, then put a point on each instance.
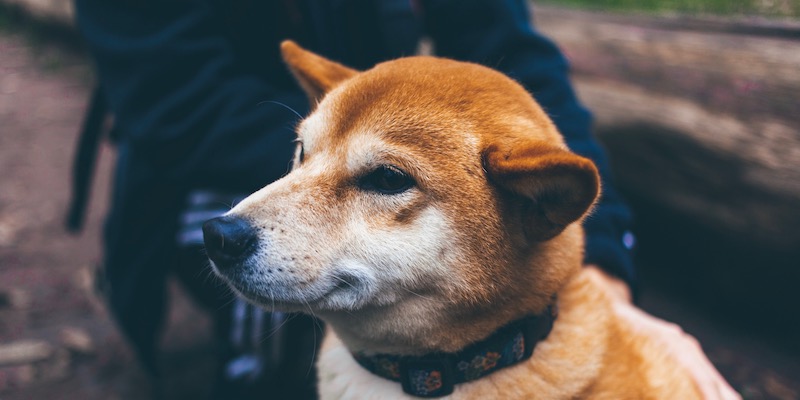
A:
(382, 133)
(435, 105)
(364, 149)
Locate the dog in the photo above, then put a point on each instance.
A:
(432, 219)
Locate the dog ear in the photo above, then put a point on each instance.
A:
(316, 74)
(557, 186)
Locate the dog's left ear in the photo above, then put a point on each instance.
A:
(557, 186)
(316, 74)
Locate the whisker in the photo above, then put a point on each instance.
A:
(271, 297)
(315, 324)
(275, 330)
(282, 105)
(416, 294)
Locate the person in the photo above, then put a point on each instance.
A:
(203, 114)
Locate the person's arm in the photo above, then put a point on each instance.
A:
(498, 33)
(179, 99)
(187, 117)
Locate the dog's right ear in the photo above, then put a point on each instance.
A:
(316, 74)
(556, 186)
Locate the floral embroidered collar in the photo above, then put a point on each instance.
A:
(436, 374)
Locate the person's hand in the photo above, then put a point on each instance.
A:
(683, 347)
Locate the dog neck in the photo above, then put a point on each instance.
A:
(436, 374)
(582, 326)
(422, 325)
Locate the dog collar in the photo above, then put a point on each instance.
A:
(436, 374)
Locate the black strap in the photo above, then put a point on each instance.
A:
(85, 159)
(436, 374)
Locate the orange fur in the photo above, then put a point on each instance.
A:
(488, 233)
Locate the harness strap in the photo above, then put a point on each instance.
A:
(85, 160)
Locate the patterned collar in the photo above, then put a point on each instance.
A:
(436, 374)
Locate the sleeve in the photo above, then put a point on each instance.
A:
(498, 33)
(179, 99)
(186, 116)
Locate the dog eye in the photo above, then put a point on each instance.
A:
(387, 179)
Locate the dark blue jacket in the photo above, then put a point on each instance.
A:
(188, 82)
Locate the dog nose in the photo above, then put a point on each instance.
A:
(228, 240)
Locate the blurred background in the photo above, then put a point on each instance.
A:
(697, 102)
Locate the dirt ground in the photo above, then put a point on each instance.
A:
(68, 348)
(46, 275)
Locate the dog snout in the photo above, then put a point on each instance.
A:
(228, 240)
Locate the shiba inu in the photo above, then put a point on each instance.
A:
(433, 220)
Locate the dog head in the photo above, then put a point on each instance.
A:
(425, 193)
